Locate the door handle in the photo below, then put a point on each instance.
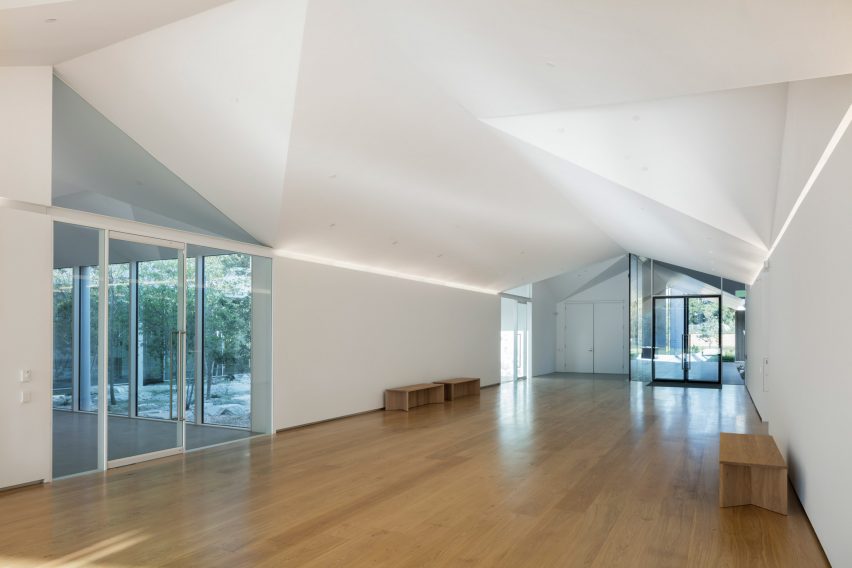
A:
(174, 362)
(181, 369)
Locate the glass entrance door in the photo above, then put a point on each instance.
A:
(146, 348)
(704, 339)
(669, 339)
(687, 334)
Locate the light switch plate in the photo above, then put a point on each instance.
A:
(26, 396)
(26, 375)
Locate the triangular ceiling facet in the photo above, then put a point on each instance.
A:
(98, 168)
(713, 157)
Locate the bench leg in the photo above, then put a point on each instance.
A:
(734, 485)
(769, 488)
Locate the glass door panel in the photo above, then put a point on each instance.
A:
(77, 416)
(225, 389)
(669, 363)
(146, 331)
(704, 347)
(521, 341)
(508, 327)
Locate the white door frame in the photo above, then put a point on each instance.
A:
(103, 336)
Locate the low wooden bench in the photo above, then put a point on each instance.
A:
(405, 398)
(751, 472)
(457, 388)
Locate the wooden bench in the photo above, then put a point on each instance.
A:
(751, 472)
(405, 398)
(457, 388)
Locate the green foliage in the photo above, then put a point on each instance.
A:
(63, 327)
(227, 316)
(227, 320)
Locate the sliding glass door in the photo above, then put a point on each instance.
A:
(147, 336)
(159, 347)
(687, 335)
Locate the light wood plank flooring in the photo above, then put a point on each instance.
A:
(565, 470)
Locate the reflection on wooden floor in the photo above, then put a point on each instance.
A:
(555, 471)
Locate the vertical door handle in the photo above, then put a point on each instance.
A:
(174, 361)
(181, 368)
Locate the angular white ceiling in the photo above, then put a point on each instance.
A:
(98, 168)
(45, 32)
(211, 98)
(358, 133)
(714, 157)
(531, 56)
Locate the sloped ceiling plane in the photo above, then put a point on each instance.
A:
(483, 144)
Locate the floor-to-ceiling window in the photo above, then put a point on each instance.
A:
(63, 337)
(187, 329)
(226, 347)
(691, 333)
(515, 340)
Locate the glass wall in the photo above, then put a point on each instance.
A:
(76, 295)
(226, 347)
(63, 337)
(649, 279)
(157, 322)
(515, 316)
(119, 339)
(215, 365)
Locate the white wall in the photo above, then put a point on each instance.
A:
(25, 133)
(26, 255)
(574, 286)
(758, 338)
(26, 245)
(802, 299)
(342, 337)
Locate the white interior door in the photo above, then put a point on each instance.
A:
(579, 347)
(609, 337)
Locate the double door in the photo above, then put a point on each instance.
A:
(590, 337)
(687, 334)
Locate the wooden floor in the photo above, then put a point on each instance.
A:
(556, 471)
